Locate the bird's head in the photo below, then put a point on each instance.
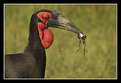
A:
(52, 18)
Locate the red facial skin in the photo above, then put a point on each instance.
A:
(45, 34)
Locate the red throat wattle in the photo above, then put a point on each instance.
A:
(45, 35)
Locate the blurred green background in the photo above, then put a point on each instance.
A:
(97, 21)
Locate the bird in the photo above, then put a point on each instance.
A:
(32, 62)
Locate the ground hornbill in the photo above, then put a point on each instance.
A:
(32, 63)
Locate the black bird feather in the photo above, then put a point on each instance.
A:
(31, 63)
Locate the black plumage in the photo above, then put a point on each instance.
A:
(32, 62)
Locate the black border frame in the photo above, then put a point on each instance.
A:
(56, 2)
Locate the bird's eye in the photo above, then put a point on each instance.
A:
(46, 18)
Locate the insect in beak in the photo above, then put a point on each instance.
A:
(81, 38)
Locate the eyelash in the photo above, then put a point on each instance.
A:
(46, 18)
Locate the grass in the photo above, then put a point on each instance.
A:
(97, 21)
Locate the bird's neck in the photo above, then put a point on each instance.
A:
(34, 45)
(35, 49)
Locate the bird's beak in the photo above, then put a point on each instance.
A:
(63, 23)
